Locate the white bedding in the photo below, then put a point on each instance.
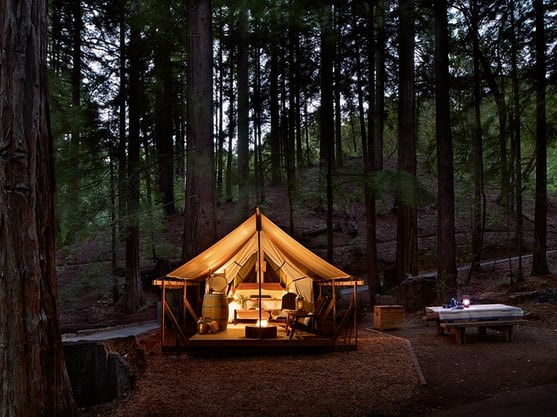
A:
(271, 297)
(478, 312)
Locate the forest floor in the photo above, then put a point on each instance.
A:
(380, 378)
(483, 377)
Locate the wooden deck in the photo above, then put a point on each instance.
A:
(234, 338)
(179, 325)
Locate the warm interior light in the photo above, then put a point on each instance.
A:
(262, 323)
(466, 301)
(300, 303)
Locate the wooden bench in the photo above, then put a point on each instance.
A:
(459, 327)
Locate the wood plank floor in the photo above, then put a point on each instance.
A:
(234, 337)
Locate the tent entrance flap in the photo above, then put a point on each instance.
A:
(249, 272)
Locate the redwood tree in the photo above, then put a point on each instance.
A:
(407, 225)
(200, 218)
(133, 297)
(243, 113)
(539, 261)
(446, 243)
(32, 370)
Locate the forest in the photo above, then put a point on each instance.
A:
(153, 110)
(170, 107)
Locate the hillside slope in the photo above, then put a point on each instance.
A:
(85, 281)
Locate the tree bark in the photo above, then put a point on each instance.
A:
(478, 202)
(74, 188)
(326, 126)
(32, 369)
(243, 115)
(231, 130)
(407, 224)
(133, 296)
(164, 99)
(446, 242)
(369, 158)
(337, 82)
(200, 216)
(379, 107)
(539, 260)
(274, 135)
(220, 105)
(516, 141)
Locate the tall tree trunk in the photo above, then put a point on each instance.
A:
(296, 93)
(56, 28)
(120, 147)
(290, 137)
(407, 224)
(163, 119)
(122, 122)
(478, 201)
(539, 261)
(326, 115)
(113, 227)
(499, 98)
(516, 142)
(231, 130)
(74, 191)
(200, 216)
(274, 135)
(259, 168)
(243, 114)
(180, 129)
(220, 117)
(379, 107)
(369, 158)
(337, 85)
(133, 296)
(32, 369)
(446, 242)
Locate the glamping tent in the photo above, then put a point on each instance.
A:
(263, 263)
(283, 261)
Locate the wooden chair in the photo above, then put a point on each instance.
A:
(316, 320)
(288, 303)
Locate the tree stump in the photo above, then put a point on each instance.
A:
(97, 373)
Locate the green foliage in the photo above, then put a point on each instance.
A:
(85, 141)
(153, 226)
(552, 168)
(95, 279)
(406, 187)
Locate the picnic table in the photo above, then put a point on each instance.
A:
(499, 317)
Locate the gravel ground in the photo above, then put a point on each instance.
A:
(377, 378)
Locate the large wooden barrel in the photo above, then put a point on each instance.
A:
(215, 306)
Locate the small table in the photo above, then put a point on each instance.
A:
(292, 316)
(498, 317)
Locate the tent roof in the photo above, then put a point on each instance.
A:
(229, 254)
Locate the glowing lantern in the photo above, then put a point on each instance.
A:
(465, 301)
(300, 302)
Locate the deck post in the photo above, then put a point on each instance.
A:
(355, 296)
(163, 302)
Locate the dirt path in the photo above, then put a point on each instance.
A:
(484, 377)
(487, 373)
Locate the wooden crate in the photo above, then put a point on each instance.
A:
(388, 317)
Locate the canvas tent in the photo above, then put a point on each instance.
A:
(283, 259)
